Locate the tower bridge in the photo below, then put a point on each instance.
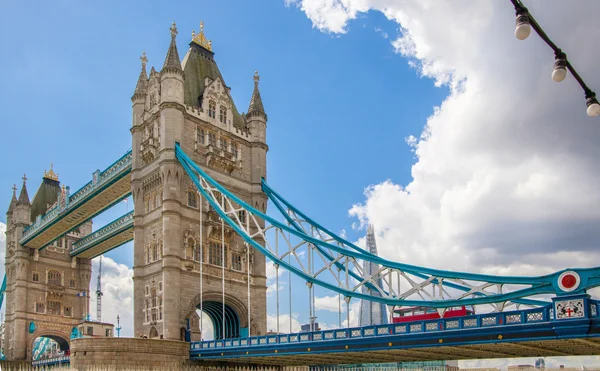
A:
(202, 234)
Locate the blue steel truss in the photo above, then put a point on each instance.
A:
(281, 242)
(100, 181)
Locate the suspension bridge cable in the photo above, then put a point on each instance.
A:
(201, 264)
(223, 261)
(248, 273)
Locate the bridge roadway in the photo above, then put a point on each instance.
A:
(104, 190)
(530, 333)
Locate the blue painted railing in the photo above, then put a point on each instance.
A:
(537, 315)
(111, 229)
(52, 361)
(100, 179)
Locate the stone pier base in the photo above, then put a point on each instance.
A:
(150, 353)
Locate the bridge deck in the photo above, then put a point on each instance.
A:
(107, 188)
(111, 236)
(526, 333)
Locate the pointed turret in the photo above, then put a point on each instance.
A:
(13, 201)
(24, 196)
(142, 84)
(172, 61)
(256, 104)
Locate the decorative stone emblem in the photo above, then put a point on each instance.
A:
(569, 309)
(569, 281)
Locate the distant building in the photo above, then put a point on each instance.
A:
(372, 313)
(395, 366)
(306, 327)
(95, 329)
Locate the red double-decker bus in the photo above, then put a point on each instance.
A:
(411, 314)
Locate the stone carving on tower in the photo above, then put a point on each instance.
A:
(188, 102)
(42, 284)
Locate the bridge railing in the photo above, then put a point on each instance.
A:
(100, 179)
(479, 321)
(123, 222)
(51, 361)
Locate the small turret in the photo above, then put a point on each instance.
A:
(171, 75)
(138, 99)
(24, 196)
(141, 88)
(22, 207)
(256, 116)
(11, 207)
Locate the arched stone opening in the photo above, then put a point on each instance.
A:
(234, 321)
(47, 345)
(153, 333)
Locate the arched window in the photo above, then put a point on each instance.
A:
(212, 109)
(200, 136)
(54, 278)
(211, 139)
(192, 198)
(154, 252)
(190, 248)
(223, 114)
(234, 150)
(147, 256)
(224, 144)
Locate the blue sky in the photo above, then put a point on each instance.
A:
(339, 108)
(342, 96)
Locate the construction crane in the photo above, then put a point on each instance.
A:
(99, 294)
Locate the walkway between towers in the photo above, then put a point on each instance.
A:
(106, 188)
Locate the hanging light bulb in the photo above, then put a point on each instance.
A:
(593, 107)
(523, 28)
(560, 67)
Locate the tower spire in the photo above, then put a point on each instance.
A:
(142, 83)
(256, 101)
(172, 61)
(24, 196)
(200, 38)
(13, 200)
(372, 313)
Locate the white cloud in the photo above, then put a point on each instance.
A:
(505, 179)
(117, 286)
(284, 323)
(329, 303)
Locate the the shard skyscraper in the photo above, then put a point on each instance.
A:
(372, 313)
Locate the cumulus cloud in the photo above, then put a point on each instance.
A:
(284, 322)
(505, 178)
(117, 286)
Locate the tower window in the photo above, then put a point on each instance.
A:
(212, 109)
(215, 254)
(72, 283)
(192, 199)
(59, 243)
(242, 216)
(234, 149)
(223, 114)
(39, 307)
(224, 144)
(53, 307)
(36, 277)
(68, 311)
(200, 136)
(211, 139)
(54, 278)
(236, 262)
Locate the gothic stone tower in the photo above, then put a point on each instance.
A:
(42, 286)
(189, 103)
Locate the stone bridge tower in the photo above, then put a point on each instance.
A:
(189, 103)
(43, 287)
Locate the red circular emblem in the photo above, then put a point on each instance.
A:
(568, 281)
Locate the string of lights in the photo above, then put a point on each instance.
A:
(525, 22)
